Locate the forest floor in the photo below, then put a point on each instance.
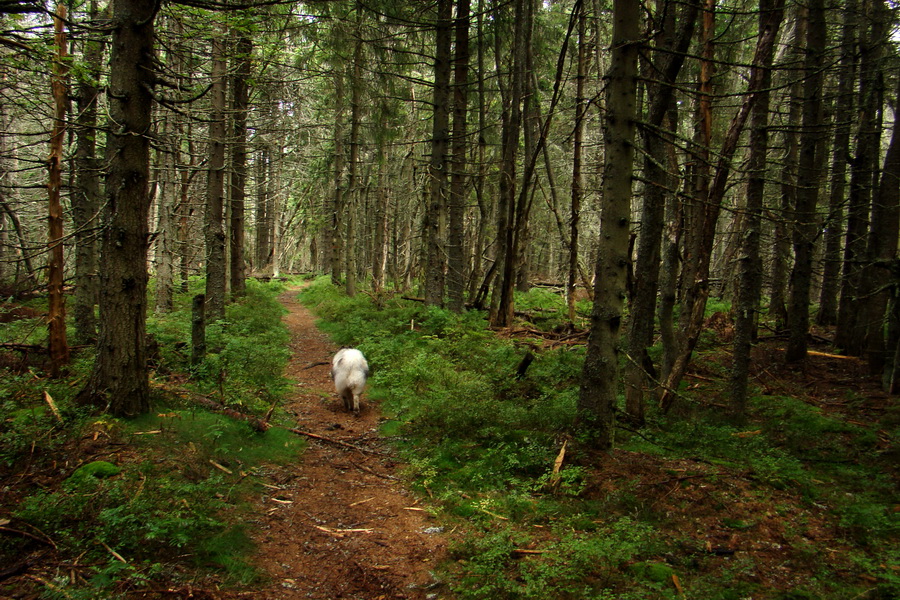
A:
(806, 513)
(339, 524)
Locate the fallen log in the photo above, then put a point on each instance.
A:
(261, 425)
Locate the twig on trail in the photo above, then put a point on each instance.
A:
(829, 355)
(261, 425)
(678, 479)
(52, 404)
(493, 514)
(115, 554)
(220, 467)
(526, 551)
(370, 471)
(322, 438)
(340, 532)
(316, 364)
(357, 503)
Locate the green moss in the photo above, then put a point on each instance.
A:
(652, 571)
(99, 469)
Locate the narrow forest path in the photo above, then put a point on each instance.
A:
(339, 524)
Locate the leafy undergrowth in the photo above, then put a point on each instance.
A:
(800, 503)
(97, 507)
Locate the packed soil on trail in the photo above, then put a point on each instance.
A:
(340, 524)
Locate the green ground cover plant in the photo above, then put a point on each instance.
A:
(799, 505)
(162, 497)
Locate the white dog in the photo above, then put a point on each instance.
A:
(349, 371)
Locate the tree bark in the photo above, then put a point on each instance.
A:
(263, 240)
(672, 50)
(881, 250)
(577, 182)
(843, 117)
(597, 395)
(119, 380)
(214, 228)
(502, 305)
(809, 179)
(748, 288)
(781, 246)
(335, 209)
(692, 285)
(699, 288)
(456, 255)
(437, 171)
(480, 174)
(352, 200)
(244, 49)
(58, 347)
(86, 195)
(850, 335)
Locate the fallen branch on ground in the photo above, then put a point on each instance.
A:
(322, 438)
(255, 423)
(316, 364)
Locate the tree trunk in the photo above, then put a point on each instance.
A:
(809, 178)
(672, 49)
(781, 246)
(693, 284)
(456, 255)
(214, 231)
(335, 210)
(240, 101)
(748, 287)
(577, 182)
(843, 117)
(881, 250)
(440, 135)
(484, 210)
(531, 144)
(119, 380)
(353, 186)
(198, 329)
(511, 124)
(262, 203)
(699, 289)
(86, 195)
(166, 222)
(850, 335)
(379, 254)
(668, 275)
(58, 347)
(597, 396)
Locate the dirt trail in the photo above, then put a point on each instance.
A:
(340, 524)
